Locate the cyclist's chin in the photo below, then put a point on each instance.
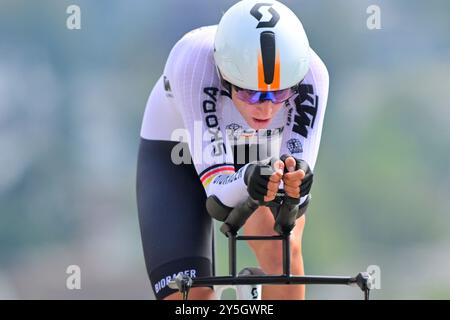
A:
(258, 123)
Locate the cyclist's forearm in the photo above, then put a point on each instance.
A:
(229, 188)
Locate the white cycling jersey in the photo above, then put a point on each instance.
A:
(189, 104)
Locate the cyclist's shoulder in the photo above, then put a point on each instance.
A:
(318, 70)
(200, 39)
(193, 52)
(205, 32)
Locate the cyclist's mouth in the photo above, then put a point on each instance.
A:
(262, 121)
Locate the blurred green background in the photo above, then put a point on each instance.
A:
(71, 105)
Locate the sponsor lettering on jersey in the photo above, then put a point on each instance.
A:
(167, 87)
(306, 105)
(212, 122)
(228, 178)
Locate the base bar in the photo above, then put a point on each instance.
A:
(259, 237)
(246, 280)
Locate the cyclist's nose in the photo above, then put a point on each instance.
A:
(265, 107)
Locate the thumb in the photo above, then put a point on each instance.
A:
(279, 166)
(290, 164)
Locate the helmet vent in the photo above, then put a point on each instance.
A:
(268, 66)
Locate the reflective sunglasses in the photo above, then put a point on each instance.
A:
(255, 97)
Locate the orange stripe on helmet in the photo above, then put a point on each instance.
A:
(275, 85)
(276, 79)
(261, 82)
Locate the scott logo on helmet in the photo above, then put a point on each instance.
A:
(258, 15)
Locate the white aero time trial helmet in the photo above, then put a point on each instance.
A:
(261, 45)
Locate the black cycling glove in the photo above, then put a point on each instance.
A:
(257, 177)
(307, 181)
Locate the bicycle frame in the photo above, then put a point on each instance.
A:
(229, 228)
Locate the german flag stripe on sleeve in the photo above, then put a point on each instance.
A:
(208, 176)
